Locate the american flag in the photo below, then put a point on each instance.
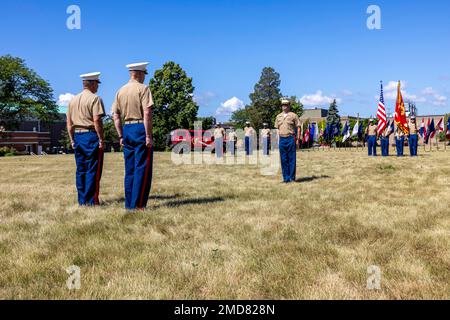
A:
(381, 113)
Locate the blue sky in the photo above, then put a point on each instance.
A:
(322, 49)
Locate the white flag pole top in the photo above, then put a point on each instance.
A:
(93, 76)
(140, 66)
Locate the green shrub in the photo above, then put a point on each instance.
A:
(7, 152)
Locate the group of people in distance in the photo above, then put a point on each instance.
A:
(372, 136)
(132, 110)
(288, 127)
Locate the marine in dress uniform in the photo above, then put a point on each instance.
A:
(288, 125)
(413, 137)
(232, 139)
(249, 133)
(85, 129)
(219, 134)
(133, 104)
(371, 133)
(399, 141)
(385, 142)
(265, 134)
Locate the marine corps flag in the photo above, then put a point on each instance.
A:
(400, 113)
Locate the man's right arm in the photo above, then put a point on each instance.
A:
(118, 125)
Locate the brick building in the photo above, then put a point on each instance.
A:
(33, 136)
(317, 115)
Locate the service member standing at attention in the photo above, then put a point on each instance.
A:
(219, 134)
(231, 143)
(85, 129)
(385, 141)
(413, 137)
(371, 133)
(249, 134)
(265, 134)
(288, 125)
(399, 141)
(133, 104)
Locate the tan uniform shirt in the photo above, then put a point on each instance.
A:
(412, 128)
(83, 108)
(399, 133)
(131, 101)
(265, 133)
(249, 131)
(219, 133)
(287, 123)
(372, 130)
(232, 136)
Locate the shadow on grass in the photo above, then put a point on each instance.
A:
(164, 197)
(121, 200)
(310, 179)
(185, 202)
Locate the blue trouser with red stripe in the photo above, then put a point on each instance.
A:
(266, 145)
(89, 160)
(288, 154)
(372, 144)
(385, 146)
(248, 146)
(138, 166)
(219, 147)
(400, 143)
(413, 141)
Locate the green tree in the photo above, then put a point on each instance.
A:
(174, 105)
(23, 93)
(265, 99)
(296, 106)
(207, 122)
(109, 131)
(239, 117)
(65, 140)
(333, 117)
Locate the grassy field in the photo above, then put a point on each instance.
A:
(228, 232)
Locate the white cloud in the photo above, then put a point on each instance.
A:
(390, 92)
(436, 99)
(317, 99)
(64, 99)
(229, 106)
(426, 96)
(204, 98)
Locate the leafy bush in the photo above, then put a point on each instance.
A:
(7, 152)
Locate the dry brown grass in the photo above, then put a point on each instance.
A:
(230, 233)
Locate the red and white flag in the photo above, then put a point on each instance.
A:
(440, 126)
(423, 129)
(381, 113)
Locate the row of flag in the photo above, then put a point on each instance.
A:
(314, 133)
(427, 132)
